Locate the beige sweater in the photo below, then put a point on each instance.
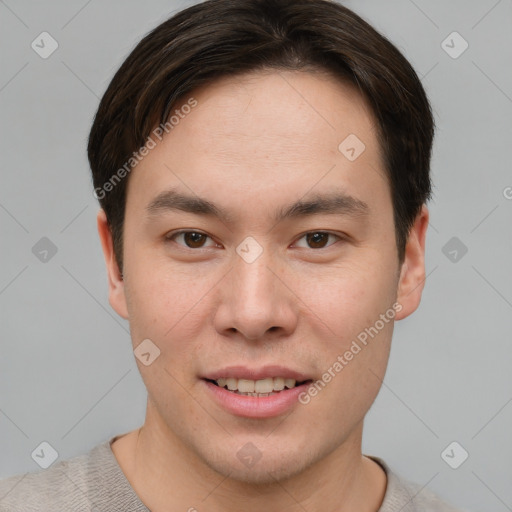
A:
(94, 482)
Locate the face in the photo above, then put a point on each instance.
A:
(256, 248)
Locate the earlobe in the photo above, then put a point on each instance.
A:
(117, 297)
(412, 273)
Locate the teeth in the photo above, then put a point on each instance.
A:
(289, 383)
(256, 387)
(245, 386)
(278, 383)
(259, 395)
(232, 384)
(263, 385)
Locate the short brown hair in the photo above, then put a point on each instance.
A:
(219, 38)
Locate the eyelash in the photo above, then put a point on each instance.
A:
(173, 236)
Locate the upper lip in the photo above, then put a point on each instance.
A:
(243, 372)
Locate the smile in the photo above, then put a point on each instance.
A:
(256, 388)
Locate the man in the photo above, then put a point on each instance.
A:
(262, 168)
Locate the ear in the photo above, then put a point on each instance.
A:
(412, 273)
(117, 296)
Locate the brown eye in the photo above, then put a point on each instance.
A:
(317, 240)
(194, 239)
(191, 239)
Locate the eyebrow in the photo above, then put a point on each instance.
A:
(332, 203)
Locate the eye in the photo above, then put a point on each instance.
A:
(191, 239)
(318, 239)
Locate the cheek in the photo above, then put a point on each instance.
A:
(348, 298)
(165, 314)
(169, 306)
(353, 362)
(352, 336)
(162, 297)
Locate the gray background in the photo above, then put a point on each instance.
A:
(67, 372)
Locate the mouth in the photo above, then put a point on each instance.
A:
(261, 388)
(264, 392)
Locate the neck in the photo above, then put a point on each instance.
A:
(163, 471)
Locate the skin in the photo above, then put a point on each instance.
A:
(255, 144)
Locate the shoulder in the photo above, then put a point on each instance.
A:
(88, 482)
(407, 496)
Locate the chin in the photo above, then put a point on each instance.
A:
(272, 467)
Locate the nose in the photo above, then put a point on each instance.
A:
(257, 300)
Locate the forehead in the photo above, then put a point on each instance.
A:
(266, 134)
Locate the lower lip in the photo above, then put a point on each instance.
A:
(253, 406)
